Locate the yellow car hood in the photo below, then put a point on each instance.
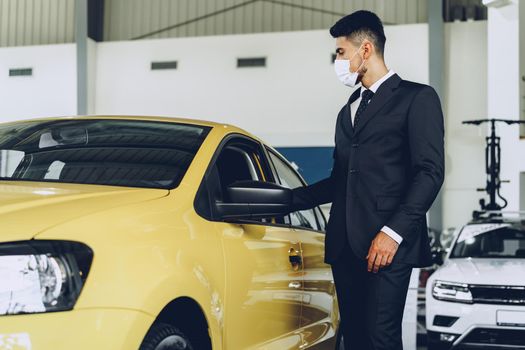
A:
(28, 208)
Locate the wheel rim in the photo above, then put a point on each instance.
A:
(173, 342)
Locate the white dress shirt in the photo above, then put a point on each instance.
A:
(353, 108)
(373, 88)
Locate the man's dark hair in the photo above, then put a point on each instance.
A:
(361, 25)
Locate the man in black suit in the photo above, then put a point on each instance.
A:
(388, 169)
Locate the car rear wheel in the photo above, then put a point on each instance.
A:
(163, 336)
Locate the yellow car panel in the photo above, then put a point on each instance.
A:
(263, 290)
(320, 310)
(47, 204)
(158, 250)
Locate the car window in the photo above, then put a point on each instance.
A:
(320, 219)
(135, 153)
(490, 241)
(289, 178)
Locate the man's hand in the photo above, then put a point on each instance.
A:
(381, 252)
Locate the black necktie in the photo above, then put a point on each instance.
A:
(365, 98)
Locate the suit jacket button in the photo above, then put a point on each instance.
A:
(355, 145)
(353, 171)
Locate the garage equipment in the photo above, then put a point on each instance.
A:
(493, 163)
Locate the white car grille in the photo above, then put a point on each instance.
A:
(490, 294)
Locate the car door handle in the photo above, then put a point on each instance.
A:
(294, 285)
(295, 258)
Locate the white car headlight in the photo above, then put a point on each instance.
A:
(42, 276)
(451, 291)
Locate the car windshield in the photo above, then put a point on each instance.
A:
(133, 153)
(490, 241)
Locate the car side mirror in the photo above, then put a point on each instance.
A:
(254, 200)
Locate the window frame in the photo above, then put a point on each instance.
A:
(269, 150)
(203, 190)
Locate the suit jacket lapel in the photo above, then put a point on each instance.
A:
(382, 95)
(355, 95)
(347, 120)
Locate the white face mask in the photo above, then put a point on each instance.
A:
(342, 69)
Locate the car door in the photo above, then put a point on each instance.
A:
(320, 316)
(263, 276)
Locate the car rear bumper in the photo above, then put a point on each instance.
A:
(83, 329)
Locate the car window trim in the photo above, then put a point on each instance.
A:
(247, 159)
(269, 177)
(275, 153)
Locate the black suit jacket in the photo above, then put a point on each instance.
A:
(387, 171)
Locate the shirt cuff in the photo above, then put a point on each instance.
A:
(393, 234)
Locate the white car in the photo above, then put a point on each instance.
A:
(476, 300)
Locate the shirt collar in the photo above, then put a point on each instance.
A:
(378, 83)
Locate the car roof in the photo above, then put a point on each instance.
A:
(498, 217)
(125, 117)
(226, 128)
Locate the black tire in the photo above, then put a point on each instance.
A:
(163, 336)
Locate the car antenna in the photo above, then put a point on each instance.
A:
(492, 165)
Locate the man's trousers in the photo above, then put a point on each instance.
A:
(371, 304)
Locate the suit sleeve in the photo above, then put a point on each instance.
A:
(317, 193)
(427, 163)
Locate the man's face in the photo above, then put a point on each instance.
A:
(346, 50)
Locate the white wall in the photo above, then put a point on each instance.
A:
(465, 97)
(521, 39)
(50, 91)
(294, 101)
(503, 93)
(522, 96)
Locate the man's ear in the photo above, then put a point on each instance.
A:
(368, 49)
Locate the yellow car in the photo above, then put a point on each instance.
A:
(156, 234)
